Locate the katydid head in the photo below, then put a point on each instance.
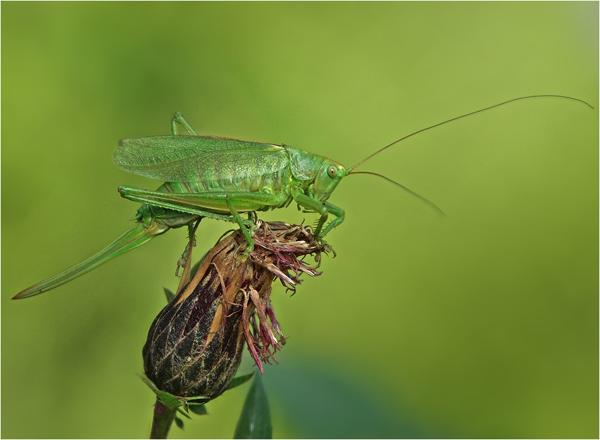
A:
(327, 178)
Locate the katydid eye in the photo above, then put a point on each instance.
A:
(331, 171)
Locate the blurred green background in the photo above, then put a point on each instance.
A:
(480, 324)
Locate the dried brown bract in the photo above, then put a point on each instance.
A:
(194, 345)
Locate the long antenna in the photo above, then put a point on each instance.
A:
(405, 188)
(464, 116)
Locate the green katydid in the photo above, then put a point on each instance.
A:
(221, 178)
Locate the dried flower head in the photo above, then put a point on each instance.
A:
(194, 345)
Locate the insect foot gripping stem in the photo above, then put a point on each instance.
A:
(194, 345)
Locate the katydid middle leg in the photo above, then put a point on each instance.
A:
(185, 260)
(245, 227)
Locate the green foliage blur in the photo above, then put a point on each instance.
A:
(480, 324)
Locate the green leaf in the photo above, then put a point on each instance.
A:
(179, 422)
(255, 420)
(167, 399)
(170, 295)
(183, 410)
(323, 400)
(240, 380)
(198, 409)
(196, 400)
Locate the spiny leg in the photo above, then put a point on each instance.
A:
(252, 216)
(211, 204)
(324, 209)
(186, 256)
(320, 223)
(179, 119)
(339, 215)
(220, 205)
(171, 201)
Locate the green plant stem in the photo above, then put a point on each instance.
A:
(162, 420)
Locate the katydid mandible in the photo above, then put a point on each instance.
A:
(221, 178)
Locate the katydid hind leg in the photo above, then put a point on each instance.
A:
(130, 240)
(215, 204)
(178, 119)
(219, 205)
(173, 201)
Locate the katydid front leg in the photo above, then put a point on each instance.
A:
(322, 208)
(339, 214)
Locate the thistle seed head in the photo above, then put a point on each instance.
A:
(194, 345)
